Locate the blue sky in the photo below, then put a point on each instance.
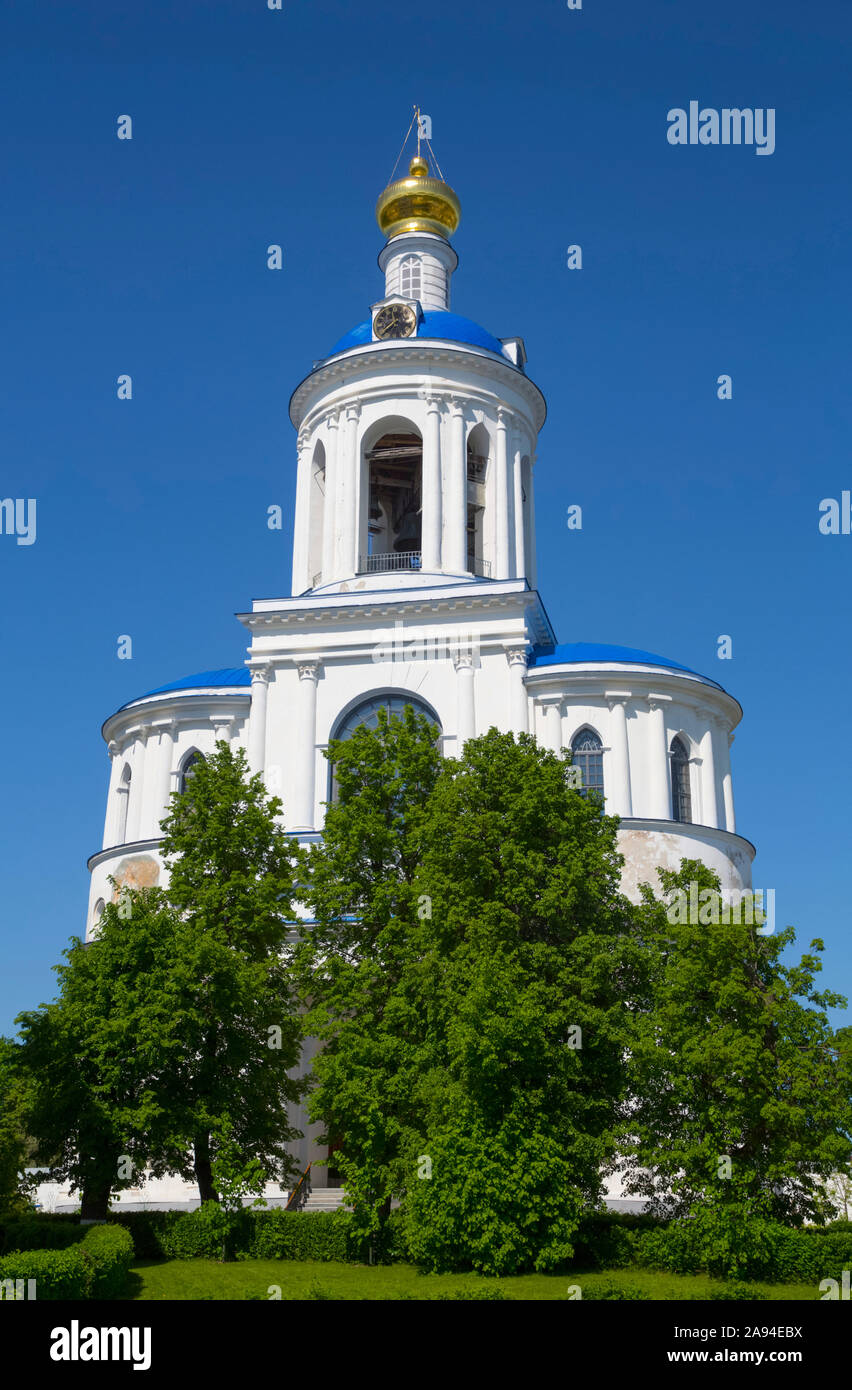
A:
(254, 126)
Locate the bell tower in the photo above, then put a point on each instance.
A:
(417, 432)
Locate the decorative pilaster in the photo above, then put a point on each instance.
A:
(659, 784)
(257, 718)
(305, 762)
(531, 567)
(618, 793)
(430, 542)
(349, 498)
(166, 752)
(465, 702)
(137, 785)
(709, 807)
(728, 791)
(518, 702)
(519, 559)
(551, 709)
(501, 558)
(455, 533)
(329, 514)
(223, 728)
(302, 529)
(111, 820)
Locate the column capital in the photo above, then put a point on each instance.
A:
(617, 697)
(113, 748)
(463, 661)
(308, 670)
(456, 405)
(504, 417)
(261, 672)
(516, 655)
(353, 411)
(658, 701)
(549, 701)
(332, 419)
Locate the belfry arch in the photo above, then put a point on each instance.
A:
(394, 487)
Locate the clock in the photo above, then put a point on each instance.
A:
(395, 321)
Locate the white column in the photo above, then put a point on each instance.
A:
(455, 534)
(348, 494)
(430, 541)
(465, 702)
(111, 819)
(551, 711)
(518, 701)
(304, 769)
(618, 794)
(728, 791)
(222, 729)
(709, 808)
(329, 511)
(168, 733)
(302, 525)
(519, 563)
(257, 718)
(659, 789)
(501, 557)
(532, 569)
(137, 786)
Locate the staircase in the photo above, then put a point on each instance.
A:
(324, 1199)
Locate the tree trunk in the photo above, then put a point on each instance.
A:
(203, 1169)
(94, 1203)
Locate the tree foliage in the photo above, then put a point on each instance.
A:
(737, 1080)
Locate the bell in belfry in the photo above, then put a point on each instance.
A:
(408, 528)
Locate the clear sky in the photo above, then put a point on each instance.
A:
(253, 126)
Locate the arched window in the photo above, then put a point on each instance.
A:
(97, 914)
(681, 796)
(189, 768)
(410, 278)
(587, 755)
(123, 794)
(366, 715)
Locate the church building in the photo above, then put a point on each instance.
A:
(414, 582)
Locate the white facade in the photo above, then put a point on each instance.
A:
(430, 437)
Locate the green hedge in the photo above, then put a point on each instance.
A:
(759, 1250)
(97, 1266)
(40, 1233)
(301, 1235)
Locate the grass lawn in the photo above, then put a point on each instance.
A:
(205, 1279)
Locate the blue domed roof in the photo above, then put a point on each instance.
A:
(204, 680)
(596, 652)
(435, 323)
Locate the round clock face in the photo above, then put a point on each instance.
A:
(395, 321)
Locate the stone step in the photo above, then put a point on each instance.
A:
(324, 1199)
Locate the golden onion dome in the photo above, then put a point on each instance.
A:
(418, 203)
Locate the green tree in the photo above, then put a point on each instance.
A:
(177, 1024)
(737, 1083)
(351, 958)
(13, 1140)
(232, 883)
(95, 1057)
(467, 970)
(521, 977)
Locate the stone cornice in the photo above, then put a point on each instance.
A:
(652, 684)
(688, 829)
(176, 708)
(378, 356)
(382, 605)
